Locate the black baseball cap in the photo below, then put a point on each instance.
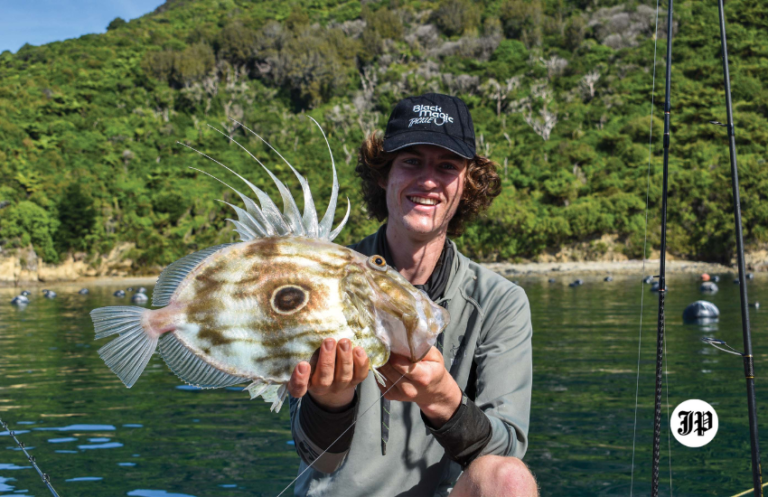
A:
(431, 119)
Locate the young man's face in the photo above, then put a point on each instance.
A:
(424, 187)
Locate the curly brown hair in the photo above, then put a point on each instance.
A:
(481, 185)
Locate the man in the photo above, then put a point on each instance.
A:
(465, 406)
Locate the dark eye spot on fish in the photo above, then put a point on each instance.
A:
(289, 299)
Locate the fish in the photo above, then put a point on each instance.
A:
(250, 311)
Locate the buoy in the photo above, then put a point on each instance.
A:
(701, 312)
(139, 298)
(716, 278)
(129, 289)
(20, 300)
(552, 280)
(45, 291)
(119, 293)
(756, 305)
(50, 294)
(576, 283)
(708, 287)
(704, 277)
(24, 293)
(736, 281)
(750, 276)
(83, 291)
(608, 278)
(648, 280)
(144, 290)
(655, 287)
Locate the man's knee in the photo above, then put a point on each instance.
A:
(504, 476)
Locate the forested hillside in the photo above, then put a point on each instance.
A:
(560, 91)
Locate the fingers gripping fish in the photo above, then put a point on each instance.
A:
(251, 311)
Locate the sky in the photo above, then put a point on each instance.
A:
(42, 21)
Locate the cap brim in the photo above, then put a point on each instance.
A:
(411, 138)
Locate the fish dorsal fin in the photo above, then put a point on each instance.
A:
(192, 369)
(175, 273)
(266, 220)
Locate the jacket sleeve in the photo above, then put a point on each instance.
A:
(505, 370)
(315, 430)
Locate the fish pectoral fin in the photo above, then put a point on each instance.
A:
(192, 369)
(270, 392)
(379, 377)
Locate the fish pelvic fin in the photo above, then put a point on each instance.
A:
(379, 377)
(270, 392)
(129, 353)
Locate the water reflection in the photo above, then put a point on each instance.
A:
(63, 399)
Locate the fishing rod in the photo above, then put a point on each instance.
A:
(748, 358)
(662, 267)
(43, 476)
(749, 368)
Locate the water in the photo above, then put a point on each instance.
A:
(163, 439)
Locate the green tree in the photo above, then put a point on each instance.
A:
(77, 217)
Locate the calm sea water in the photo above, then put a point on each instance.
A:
(160, 438)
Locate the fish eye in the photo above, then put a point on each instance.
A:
(377, 262)
(289, 299)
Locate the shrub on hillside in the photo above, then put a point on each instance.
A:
(456, 17)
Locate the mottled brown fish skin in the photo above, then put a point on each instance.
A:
(232, 315)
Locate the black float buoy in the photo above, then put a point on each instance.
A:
(49, 294)
(655, 287)
(735, 281)
(608, 278)
(119, 293)
(708, 287)
(756, 305)
(750, 276)
(83, 291)
(139, 298)
(552, 280)
(20, 300)
(576, 283)
(716, 279)
(130, 289)
(144, 290)
(701, 312)
(24, 293)
(648, 280)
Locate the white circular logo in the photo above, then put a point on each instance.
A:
(694, 423)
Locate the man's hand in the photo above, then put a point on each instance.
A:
(331, 375)
(427, 383)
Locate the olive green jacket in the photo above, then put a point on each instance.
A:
(490, 326)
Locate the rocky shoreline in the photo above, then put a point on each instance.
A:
(510, 270)
(25, 268)
(606, 268)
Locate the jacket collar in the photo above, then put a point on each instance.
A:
(367, 246)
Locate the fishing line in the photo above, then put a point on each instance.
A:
(342, 434)
(645, 244)
(44, 476)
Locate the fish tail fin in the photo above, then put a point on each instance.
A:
(127, 355)
(275, 393)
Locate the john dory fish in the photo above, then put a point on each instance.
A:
(251, 311)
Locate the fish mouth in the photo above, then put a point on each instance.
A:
(406, 319)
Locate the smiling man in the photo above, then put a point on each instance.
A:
(457, 421)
